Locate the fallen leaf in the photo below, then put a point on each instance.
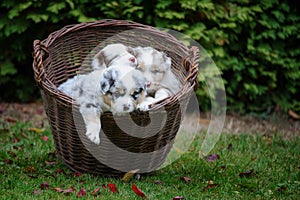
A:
(7, 161)
(229, 147)
(281, 189)
(15, 140)
(39, 111)
(45, 138)
(36, 130)
(210, 185)
(294, 115)
(247, 173)
(187, 179)
(82, 192)
(29, 169)
(158, 182)
(44, 186)
(51, 162)
(81, 181)
(18, 148)
(103, 186)
(36, 192)
(24, 135)
(112, 187)
(212, 157)
(95, 191)
(137, 191)
(10, 119)
(59, 171)
(76, 174)
(128, 176)
(70, 190)
(178, 197)
(13, 154)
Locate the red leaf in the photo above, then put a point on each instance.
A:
(209, 186)
(212, 157)
(137, 191)
(112, 187)
(44, 186)
(178, 198)
(16, 140)
(82, 192)
(247, 173)
(45, 138)
(77, 174)
(96, 191)
(186, 179)
(59, 171)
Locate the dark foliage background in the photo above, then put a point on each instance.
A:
(254, 43)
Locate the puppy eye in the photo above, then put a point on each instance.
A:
(156, 71)
(135, 94)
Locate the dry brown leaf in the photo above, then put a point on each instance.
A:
(128, 176)
(294, 115)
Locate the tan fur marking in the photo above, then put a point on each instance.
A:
(141, 67)
(107, 100)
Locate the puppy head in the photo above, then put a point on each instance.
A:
(114, 54)
(153, 64)
(123, 88)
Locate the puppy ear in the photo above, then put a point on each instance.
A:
(134, 51)
(108, 80)
(99, 60)
(130, 50)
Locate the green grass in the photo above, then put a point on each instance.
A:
(25, 157)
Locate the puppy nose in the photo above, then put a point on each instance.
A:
(126, 107)
(132, 59)
(148, 84)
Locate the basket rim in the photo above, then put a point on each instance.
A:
(40, 54)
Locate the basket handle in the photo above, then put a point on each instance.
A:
(40, 53)
(191, 64)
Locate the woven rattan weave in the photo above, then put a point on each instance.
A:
(69, 50)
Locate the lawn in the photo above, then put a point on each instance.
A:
(243, 166)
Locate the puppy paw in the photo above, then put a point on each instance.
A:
(93, 137)
(144, 106)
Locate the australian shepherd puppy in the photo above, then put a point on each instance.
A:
(118, 89)
(156, 68)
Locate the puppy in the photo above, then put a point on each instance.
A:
(114, 54)
(118, 89)
(156, 67)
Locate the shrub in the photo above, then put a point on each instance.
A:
(254, 43)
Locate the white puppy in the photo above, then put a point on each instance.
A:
(156, 67)
(118, 89)
(113, 54)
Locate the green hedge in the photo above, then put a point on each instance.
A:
(254, 43)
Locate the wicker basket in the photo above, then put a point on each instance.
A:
(59, 57)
